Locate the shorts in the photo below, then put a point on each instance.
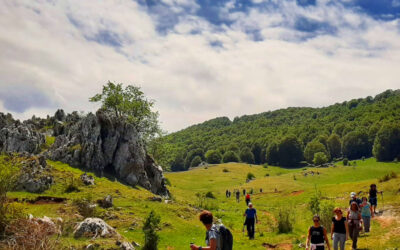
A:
(373, 201)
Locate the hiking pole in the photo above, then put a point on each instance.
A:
(383, 202)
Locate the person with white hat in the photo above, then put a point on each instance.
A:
(354, 198)
(251, 219)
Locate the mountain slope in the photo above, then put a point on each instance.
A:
(365, 114)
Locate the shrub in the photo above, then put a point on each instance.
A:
(250, 176)
(85, 206)
(267, 174)
(196, 161)
(225, 170)
(230, 156)
(72, 185)
(265, 165)
(345, 162)
(320, 158)
(150, 227)
(388, 177)
(285, 220)
(213, 157)
(314, 203)
(210, 195)
(326, 213)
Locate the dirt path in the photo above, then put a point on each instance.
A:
(282, 246)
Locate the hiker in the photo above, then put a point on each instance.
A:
(251, 191)
(366, 213)
(354, 221)
(217, 237)
(244, 191)
(354, 198)
(339, 230)
(251, 219)
(317, 238)
(373, 198)
(237, 195)
(260, 190)
(247, 199)
(227, 193)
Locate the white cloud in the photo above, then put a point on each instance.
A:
(49, 46)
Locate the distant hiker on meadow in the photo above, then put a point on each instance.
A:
(354, 198)
(373, 198)
(218, 237)
(317, 237)
(227, 193)
(366, 213)
(247, 199)
(354, 221)
(237, 195)
(251, 220)
(244, 191)
(339, 230)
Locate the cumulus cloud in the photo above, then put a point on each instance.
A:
(196, 62)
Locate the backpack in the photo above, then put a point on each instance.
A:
(226, 238)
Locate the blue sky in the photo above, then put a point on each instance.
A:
(197, 59)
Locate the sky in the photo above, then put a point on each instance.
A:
(197, 59)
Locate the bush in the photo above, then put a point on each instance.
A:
(265, 165)
(326, 213)
(150, 227)
(230, 156)
(213, 157)
(72, 185)
(85, 206)
(388, 177)
(285, 220)
(250, 176)
(210, 195)
(225, 170)
(345, 162)
(320, 158)
(314, 203)
(196, 161)
(267, 174)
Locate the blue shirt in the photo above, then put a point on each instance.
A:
(251, 213)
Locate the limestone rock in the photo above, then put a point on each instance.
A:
(87, 179)
(94, 227)
(36, 176)
(106, 202)
(104, 144)
(20, 138)
(126, 246)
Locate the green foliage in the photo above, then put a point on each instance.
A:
(290, 151)
(307, 124)
(191, 155)
(345, 162)
(334, 145)
(320, 158)
(314, 203)
(250, 176)
(230, 156)
(72, 185)
(210, 195)
(356, 145)
(196, 161)
(312, 148)
(225, 170)
(131, 104)
(85, 206)
(246, 155)
(213, 157)
(388, 177)
(326, 213)
(285, 220)
(150, 228)
(206, 203)
(387, 143)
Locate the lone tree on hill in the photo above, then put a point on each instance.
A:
(150, 226)
(131, 104)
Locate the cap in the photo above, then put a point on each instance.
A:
(352, 194)
(250, 204)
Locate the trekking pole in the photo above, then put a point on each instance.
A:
(383, 202)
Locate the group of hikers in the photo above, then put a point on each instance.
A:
(228, 194)
(359, 215)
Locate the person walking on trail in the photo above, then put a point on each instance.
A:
(373, 198)
(227, 193)
(244, 191)
(213, 241)
(251, 220)
(317, 237)
(366, 213)
(354, 198)
(354, 221)
(247, 199)
(339, 230)
(237, 195)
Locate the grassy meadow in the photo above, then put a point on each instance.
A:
(283, 189)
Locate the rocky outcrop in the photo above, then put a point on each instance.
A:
(19, 137)
(106, 145)
(94, 227)
(88, 180)
(35, 175)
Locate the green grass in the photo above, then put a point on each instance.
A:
(179, 220)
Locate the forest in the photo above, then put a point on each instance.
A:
(291, 137)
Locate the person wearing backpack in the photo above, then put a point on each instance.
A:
(247, 199)
(218, 237)
(317, 237)
(354, 221)
(237, 195)
(251, 219)
(373, 197)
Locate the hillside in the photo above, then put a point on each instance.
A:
(179, 218)
(364, 117)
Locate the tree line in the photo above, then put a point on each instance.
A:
(289, 137)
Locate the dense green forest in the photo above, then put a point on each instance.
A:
(290, 137)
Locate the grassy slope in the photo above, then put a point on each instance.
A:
(180, 225)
